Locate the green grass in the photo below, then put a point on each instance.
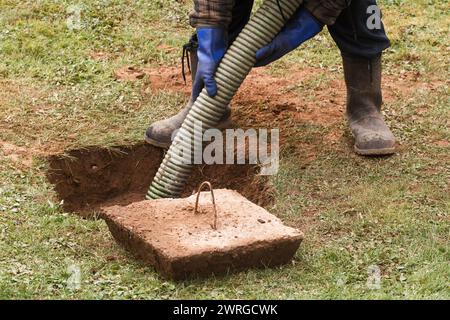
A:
(392, 213)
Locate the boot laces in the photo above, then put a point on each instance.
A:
(188, 48)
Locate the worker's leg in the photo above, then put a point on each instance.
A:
(359, 34)
(160, 132)
(241, 14)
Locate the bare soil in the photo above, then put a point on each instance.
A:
(264, 98)
(19, 155)
(279, 101)
(180, 244)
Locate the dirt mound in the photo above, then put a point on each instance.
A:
(277, 95)
(279, 100)
(91, 178)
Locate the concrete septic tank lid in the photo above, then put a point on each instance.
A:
(179, 243)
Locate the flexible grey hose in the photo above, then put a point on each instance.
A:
(239, 59)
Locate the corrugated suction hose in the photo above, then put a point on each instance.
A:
(239, 59)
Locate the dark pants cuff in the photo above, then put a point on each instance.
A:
(357, 33)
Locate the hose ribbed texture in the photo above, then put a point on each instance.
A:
(239, 59)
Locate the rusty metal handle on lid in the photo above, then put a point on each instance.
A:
(207, 183)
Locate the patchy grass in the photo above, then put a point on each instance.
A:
(57, 91)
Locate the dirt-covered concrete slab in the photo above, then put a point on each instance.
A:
(180, 244)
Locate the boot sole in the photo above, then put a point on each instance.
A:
(223, 125)
(375, 152)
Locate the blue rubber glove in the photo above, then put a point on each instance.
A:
(300, 28)
(212, 45)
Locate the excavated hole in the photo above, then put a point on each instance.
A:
(92, 178)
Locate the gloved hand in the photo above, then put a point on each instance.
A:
(212, 45)
(300, 28)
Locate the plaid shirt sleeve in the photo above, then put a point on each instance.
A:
(326, 11)
(212, 13)
(220, 12)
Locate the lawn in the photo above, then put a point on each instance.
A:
(59, 91)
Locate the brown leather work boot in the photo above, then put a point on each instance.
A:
(364, 99)
(160, 133)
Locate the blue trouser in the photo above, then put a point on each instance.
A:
(350, 32)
